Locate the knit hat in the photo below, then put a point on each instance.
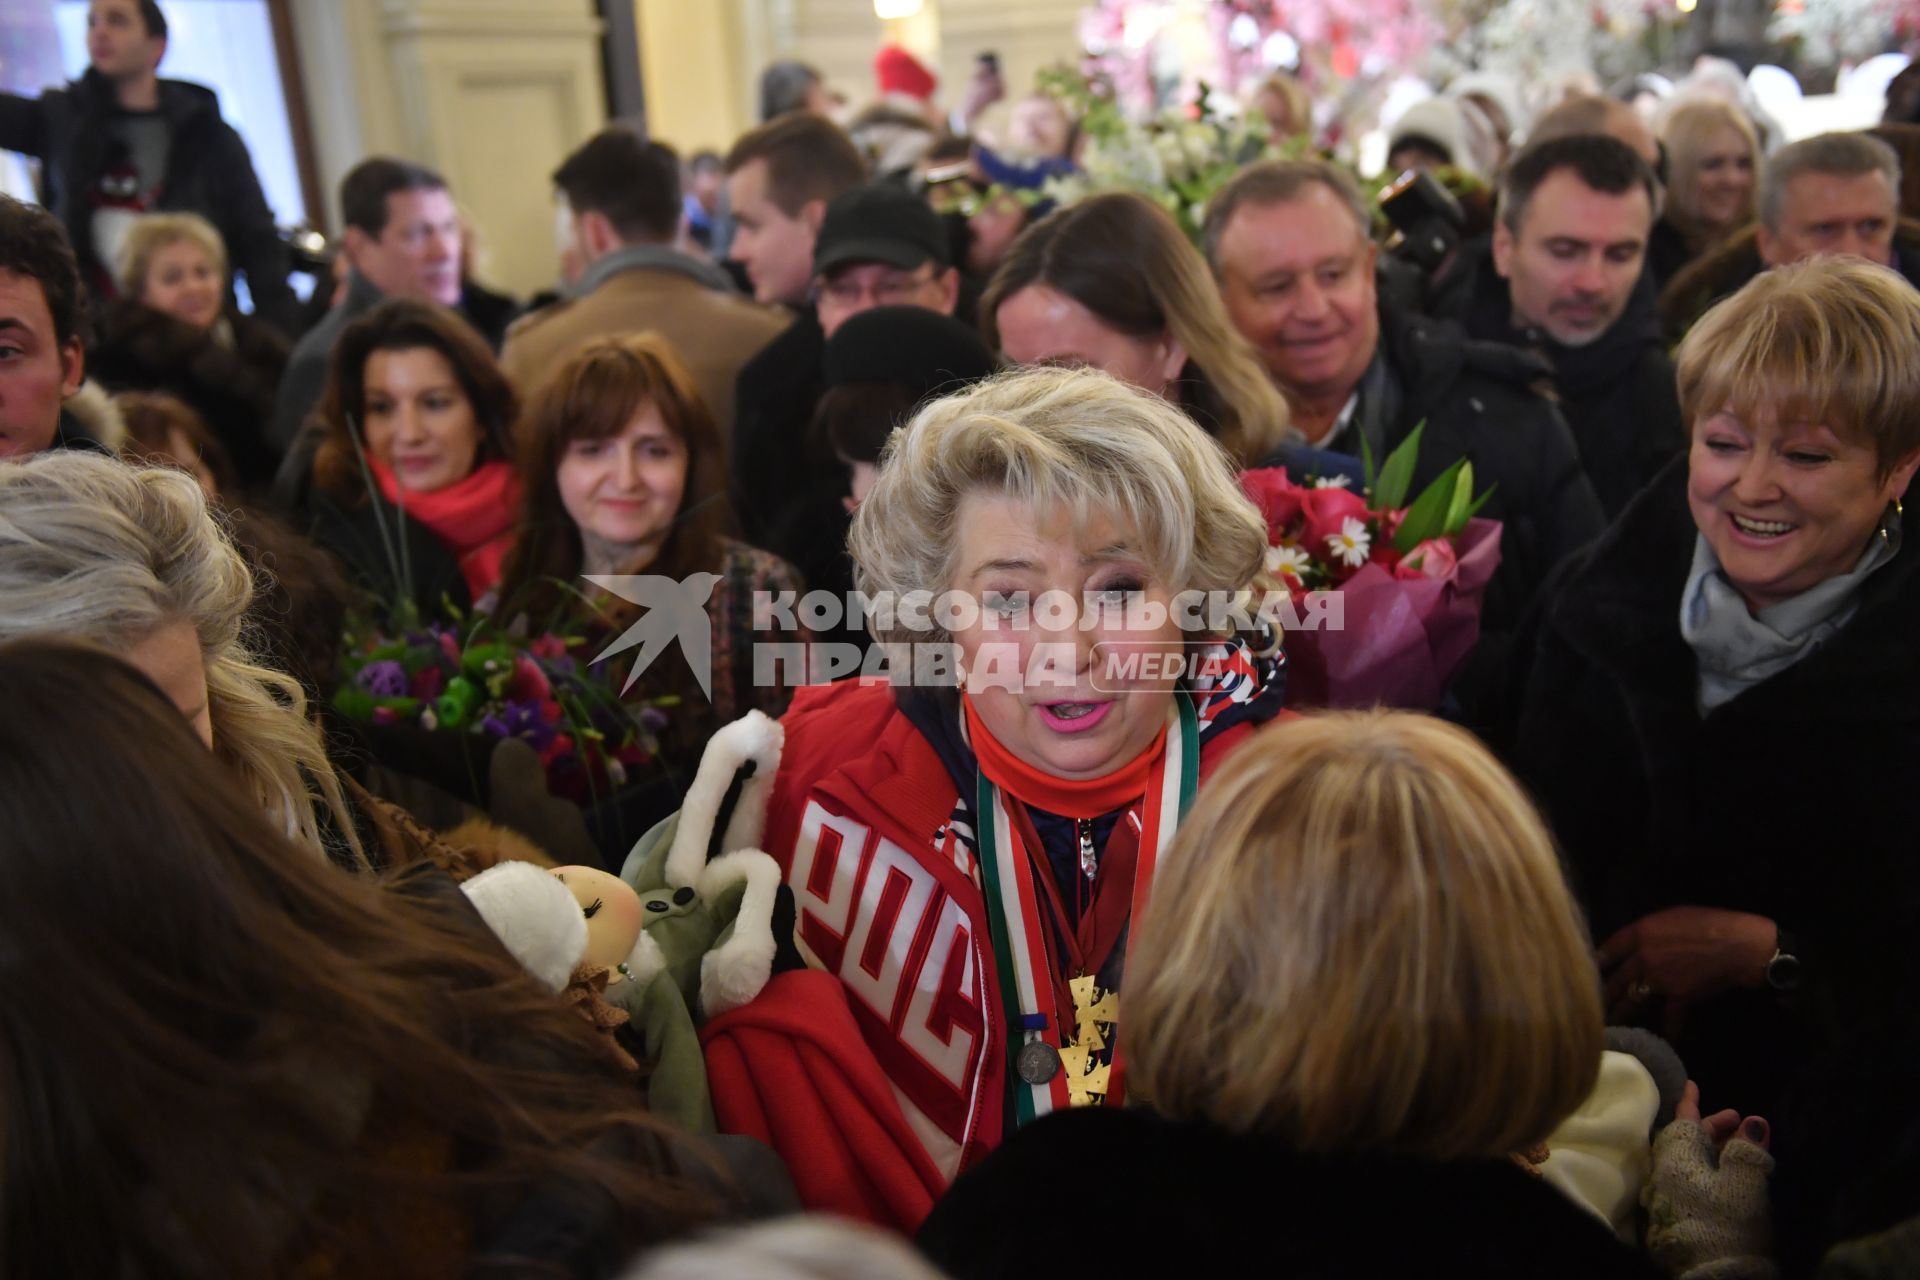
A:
(1439, 123)
(910, 347)
(900, 72)
(1662, 1063)
(880, 223)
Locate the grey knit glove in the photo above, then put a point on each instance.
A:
(1707, 1216)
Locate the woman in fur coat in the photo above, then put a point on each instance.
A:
(174, 330)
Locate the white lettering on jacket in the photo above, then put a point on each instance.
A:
(872, 914)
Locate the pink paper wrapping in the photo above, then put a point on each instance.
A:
(1404, 638)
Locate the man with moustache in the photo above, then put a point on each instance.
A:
(1564, 277)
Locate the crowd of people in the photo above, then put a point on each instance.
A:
(1033, 954)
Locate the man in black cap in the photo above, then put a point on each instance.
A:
(878, 246)
(881, 247)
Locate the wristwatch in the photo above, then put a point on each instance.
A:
(1783, 970)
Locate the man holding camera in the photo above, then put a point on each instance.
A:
(1290, 244)
(1563, 277)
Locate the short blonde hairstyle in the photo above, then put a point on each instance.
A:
(1686, 131)
(154, 232)
(94, 549)
(1361, 941)
(1057, 440)
(1832, 340)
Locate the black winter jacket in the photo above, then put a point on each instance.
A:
(208, 172)
(1489, 404)
(1185, 1199)
(1617, 393)
(231, 386)
(1793, 801)
(787, 484)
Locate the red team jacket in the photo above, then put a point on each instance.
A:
(878, 1072)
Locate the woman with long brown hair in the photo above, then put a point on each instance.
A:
(413, 482)
(625, 473)
(219, 1058)
(1111, 282)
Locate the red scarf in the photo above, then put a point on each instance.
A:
(476, 518)
(1070, 798)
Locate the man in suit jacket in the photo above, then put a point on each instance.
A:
(623, 210)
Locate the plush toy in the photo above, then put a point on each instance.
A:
(708, 890)
(684, 932)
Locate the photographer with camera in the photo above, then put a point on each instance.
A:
(1290, 245)
(1563, 277)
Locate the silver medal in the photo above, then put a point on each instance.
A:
(1038, 1062)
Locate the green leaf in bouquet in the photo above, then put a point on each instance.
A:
(353, 702)
(1457, 509)
(1465, 506)
(1366, 464)
(1428, 515)
(1478, 503)
(1396, 473)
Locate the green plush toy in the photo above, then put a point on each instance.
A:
(707, 896)
(686, 929)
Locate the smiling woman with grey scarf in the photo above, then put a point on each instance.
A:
(1721, 715)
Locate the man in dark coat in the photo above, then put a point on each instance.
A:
(879, 245)
(1289, 244)
(1564, 277)
(120, 141)
(780, 179)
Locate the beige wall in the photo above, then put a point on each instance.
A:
(493, 93)
(702, 61)
(694, 73)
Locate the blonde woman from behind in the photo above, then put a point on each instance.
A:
(1361, 984)
(132, 560)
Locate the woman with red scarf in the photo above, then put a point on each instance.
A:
(413, 486)
(966, 855)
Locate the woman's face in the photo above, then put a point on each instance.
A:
(992, 229)
(1038, 127)
(1724, 182)
(419, 423)
(1055, 688)
(1041, 325)
(170, 656)
(183, 282)
(1785, 506)
(625, 491)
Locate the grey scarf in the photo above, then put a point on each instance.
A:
(1736, 649)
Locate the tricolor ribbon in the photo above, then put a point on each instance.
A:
(1013, 908)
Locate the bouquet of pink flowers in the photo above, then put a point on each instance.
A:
(1409, 578)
